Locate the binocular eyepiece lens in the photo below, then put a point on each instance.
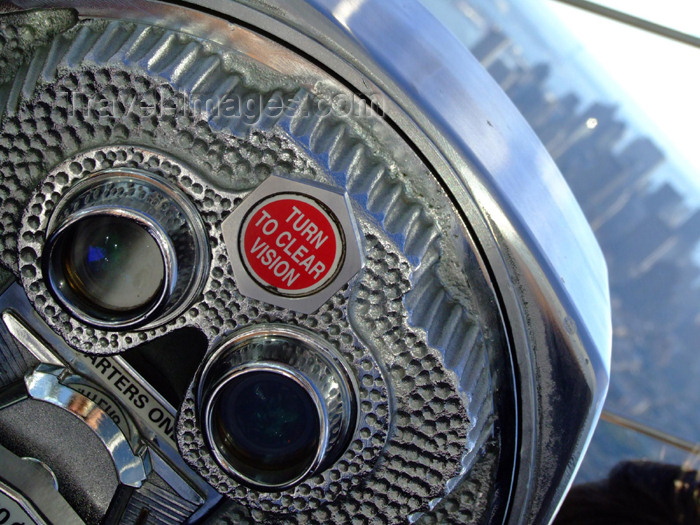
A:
(268, 426)
(125, 249)
(276, 406)
(109, 264)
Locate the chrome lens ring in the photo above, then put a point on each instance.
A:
(72, 291)
(150, 204)
(301, 358)
(238, 459)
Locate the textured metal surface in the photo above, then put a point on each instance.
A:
(472, 501)
(14, 360)
(428, 421)
(22, 33)
(409, 324)
(156, 504)
(539, 250)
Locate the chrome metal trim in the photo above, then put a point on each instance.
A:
(537, 247)
(338, 202)
(164, 456)
(329, 378)
(180, 484)
(165, 246)
(285, 371)
(184, 281)
(535, 243)
(43, 384)
(29, 340)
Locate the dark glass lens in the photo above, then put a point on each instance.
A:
(268, 426)
(109, 264)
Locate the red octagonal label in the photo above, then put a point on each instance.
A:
(291, 244)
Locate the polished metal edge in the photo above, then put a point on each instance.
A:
(33, 334)
(43, 384)
(165, 246)
(212, 396)
(319, 364)
(177, 294)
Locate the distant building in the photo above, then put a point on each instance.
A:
(646, 236)
(641, 156)
(491, 45)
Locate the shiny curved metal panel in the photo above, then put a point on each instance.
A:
(541, 252)
(477, 119)
(43, 384)
(549, 267)
(538, 216)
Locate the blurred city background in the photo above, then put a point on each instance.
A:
(642, 201)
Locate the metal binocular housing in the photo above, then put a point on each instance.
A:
(282, 262)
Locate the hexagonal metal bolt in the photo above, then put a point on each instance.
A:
(293, 244)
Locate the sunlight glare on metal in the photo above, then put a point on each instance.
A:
(344, 10)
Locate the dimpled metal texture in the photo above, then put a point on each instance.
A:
(22, 33)
(408, 324)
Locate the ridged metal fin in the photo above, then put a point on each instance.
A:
(13, 362)
(192, 79)
(137, 44)
(450, 329)
(110, 42)
(152, 505)
(269, 114)
(34, 70)
(360, 181)
(349, 162)
(180, 62)
(406, 220)
(460, 348)
(141, 44)
(369, 182)
(10, 96)
(322, 135)
(224, 84)
(57, 50)
(161, 53)
(385, 197)
(300, 124)
(426, 238)
(335, 142)
(79, 47)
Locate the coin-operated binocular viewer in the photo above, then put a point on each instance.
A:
(282, 262)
